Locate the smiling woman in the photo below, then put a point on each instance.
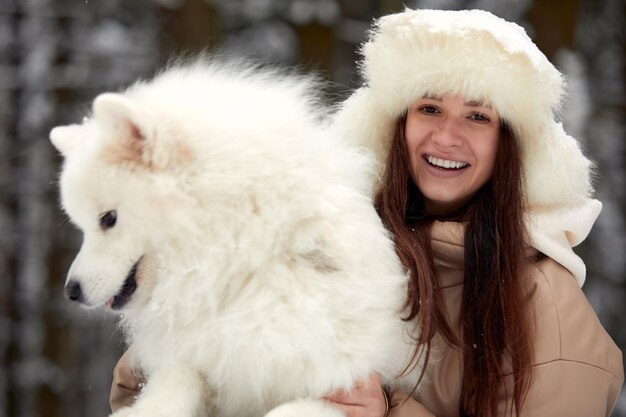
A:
(485, 195)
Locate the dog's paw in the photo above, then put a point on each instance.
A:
(305, 408)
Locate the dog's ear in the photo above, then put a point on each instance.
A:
(64, 138)
(129, 128)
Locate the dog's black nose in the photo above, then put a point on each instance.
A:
(72, 291)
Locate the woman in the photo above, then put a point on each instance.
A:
(485, 195)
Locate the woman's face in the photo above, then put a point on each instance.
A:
(452, 146)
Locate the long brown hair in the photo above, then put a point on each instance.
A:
(495, 327)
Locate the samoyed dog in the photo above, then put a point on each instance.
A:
(235, 236)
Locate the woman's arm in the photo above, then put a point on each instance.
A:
(367, 399)
(578, 370)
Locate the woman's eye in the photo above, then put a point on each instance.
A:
(429, 110)
(478, 117)
(108, 219)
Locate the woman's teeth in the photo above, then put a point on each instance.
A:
(443, 163)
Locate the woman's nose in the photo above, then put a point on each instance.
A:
(447, 133)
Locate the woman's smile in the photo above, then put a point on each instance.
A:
(445, 164)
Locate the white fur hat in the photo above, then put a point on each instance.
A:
(479, 56)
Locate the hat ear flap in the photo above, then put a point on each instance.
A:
(64, 138)
(128, 128)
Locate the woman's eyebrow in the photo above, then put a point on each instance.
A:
(433, 97)
(470, 103)
(477, 103)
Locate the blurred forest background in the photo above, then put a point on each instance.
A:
(56, 55)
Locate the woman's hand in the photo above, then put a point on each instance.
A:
(367, 399)
(126, 385)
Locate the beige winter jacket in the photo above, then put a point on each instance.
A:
(578, 369)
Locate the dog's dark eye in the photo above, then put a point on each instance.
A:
(108, 219)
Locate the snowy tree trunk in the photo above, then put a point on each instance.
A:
(32, 174)
(8, 235)
(6, 231)
(7, 195)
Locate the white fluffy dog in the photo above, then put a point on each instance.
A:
(236, 237)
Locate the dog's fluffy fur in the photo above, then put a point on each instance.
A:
(264, 276)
